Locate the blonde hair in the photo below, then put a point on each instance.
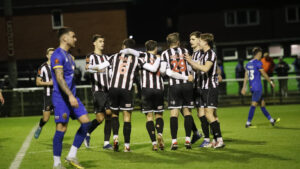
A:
(49, 50)
(173, 38)
(209, 38)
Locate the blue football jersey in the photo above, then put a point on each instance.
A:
(63, 60)
(252, 69)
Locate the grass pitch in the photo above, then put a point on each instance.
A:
(264, 147)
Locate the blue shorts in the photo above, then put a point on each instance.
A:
(63, 110)
(257, 96)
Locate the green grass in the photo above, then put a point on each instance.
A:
(264, 147)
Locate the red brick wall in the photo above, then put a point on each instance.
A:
(33, 34)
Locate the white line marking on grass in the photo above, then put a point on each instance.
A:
(20, 155)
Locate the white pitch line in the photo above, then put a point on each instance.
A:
(20, 155)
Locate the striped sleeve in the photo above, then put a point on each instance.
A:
(211, 56)
(141, 61)
(39, 72)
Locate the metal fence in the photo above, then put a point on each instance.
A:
(29, 101)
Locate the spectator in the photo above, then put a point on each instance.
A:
(297, 69)
(222, 86)
(268, 66)
(282, 69)
(240, 73)
(77, 76)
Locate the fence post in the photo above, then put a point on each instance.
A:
(85, 97)
(22, 104)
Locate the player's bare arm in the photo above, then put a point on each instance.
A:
(39, 82)
(63, 85)
(205, 68)
(245, 83)
(219, 74)
(1, 97)
(265, 75)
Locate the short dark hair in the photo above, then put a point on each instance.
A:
(172, 38)
(49, 50)
(129, 43)
(255, 50)
(150, 45)
(209, 38)
(64, 30)
(196, 34)
(96, 36)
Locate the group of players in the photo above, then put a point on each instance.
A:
(193, 82)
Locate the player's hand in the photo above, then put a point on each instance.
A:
(243, 91)
(187, 57)
(190, 78)
(50, 83)
(272, 84)
(101, 70)
(220, 79)
(73, 101)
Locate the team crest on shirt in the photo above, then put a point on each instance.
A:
(65, 116)
(127, 105)
(56, 61)
(159, 107)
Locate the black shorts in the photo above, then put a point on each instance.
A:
(197, 98)
(152, 100)
(210, 98)
(181, 95)
(48, 106)
(100, 101)
(120, 99)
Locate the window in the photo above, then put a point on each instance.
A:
(292, 14)
(295, 49)
(57, 19)
(276, 51)
(230, 53)
(249, 52)
(241, 18)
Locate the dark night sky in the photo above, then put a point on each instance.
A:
(147, 19)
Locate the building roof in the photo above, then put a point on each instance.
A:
(23, 4)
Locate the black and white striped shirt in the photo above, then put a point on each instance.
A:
(152, 80)
(210, 79)
(100, 80)
(176, 62)
(123, 68)
(197, 57)
(44, 72)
